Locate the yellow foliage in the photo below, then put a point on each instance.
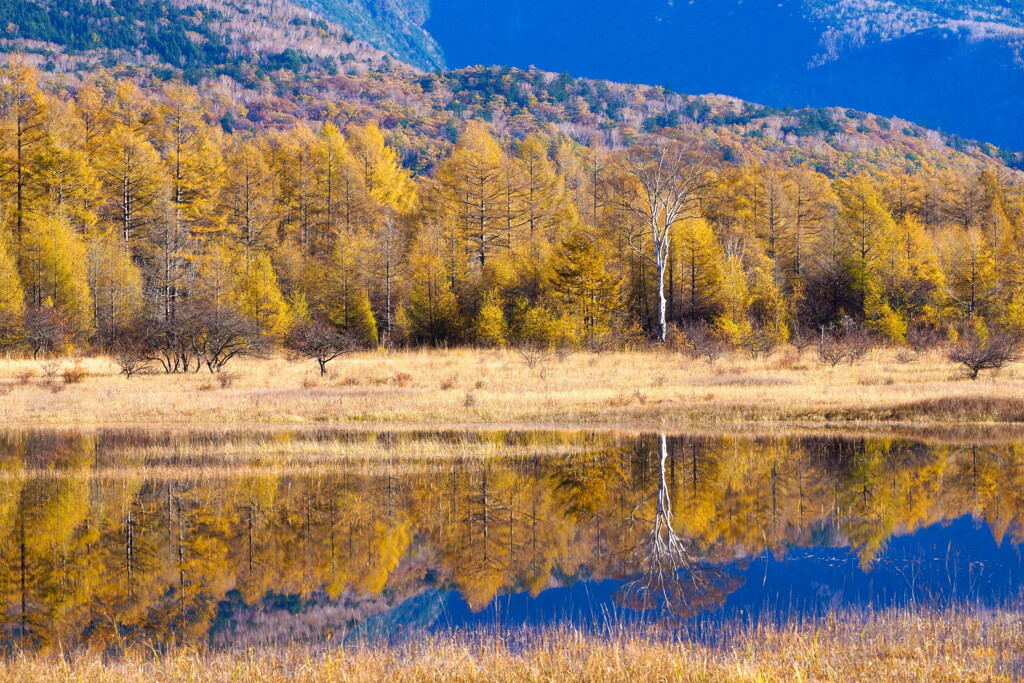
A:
(490, 328)
(258, 297)
(386, 181)
(12, 299)
(55, 270)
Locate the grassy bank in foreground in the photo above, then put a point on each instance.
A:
(504, 387)
(910, 644)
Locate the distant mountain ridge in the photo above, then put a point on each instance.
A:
(954, 65)
(950, 65)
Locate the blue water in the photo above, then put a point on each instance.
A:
(941, 565)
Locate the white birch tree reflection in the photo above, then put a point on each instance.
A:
(671, 574)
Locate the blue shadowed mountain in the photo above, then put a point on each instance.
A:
(946, 65)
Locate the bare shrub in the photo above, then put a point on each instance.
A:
(831, 349)
(701, 340)
(921, 338)
(801, 339)
(199, 337)
(858, 344)
(905, 356)
(788, 361)
(851, 343)
(535, 357)
(132, 357)
(403, 379)
(75, 374)
(51, 367)
(321, 342)
(226, 379)
(448, 383)
(470, 400)
(993, 353)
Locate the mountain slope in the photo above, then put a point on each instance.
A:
(395, 26)
(197, 37)
(949, 65)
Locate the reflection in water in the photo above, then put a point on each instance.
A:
(668, 572)
(670, 525)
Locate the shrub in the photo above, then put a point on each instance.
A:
(76, 374)
(831, 350)
(132, 358)
(858, 344)
(701, 340)
(321, 342)
(922, 338)
(993, 352)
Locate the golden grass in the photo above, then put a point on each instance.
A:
(230, 455)
(958, 644)
(497, 387)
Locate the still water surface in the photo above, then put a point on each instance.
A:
(112, 538)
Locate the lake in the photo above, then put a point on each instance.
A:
(112, 538)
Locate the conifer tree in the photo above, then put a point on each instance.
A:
(258, 296)
(55, 272)
(12, 299)
(490, 327)
(116, 285)
(583, 286)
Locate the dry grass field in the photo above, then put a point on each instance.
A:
(504, 388)
(896, 645)
(480, 388)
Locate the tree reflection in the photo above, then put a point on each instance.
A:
(671, 575)
(104, 560)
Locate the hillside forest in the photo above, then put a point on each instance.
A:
(142, 213)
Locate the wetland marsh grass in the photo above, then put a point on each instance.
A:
(911, 644)
(430, 387)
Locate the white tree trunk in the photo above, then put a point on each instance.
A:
(662, 303)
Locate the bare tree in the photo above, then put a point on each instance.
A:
(227, 336)
(388, 267)
(661, 185)
(132, 356)
(993, 353)
(702, 341)
(46, 330)
(321, 342)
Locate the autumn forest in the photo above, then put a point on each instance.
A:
(135, 214)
